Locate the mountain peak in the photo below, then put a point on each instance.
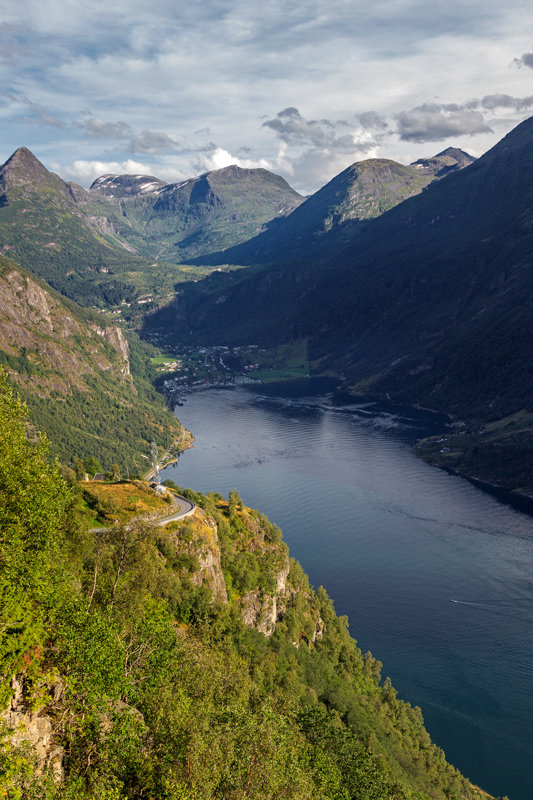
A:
(24, 161)
(370, 167)
(455, 152)
(249, 176)
(449, 160)
(23, 173)
(231, 169)
(21, 152)
(123, 186)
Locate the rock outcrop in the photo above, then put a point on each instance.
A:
(59, 347)
(210, 571)
(115, 337)
(196, 537)
(262, 610)
(35, 726)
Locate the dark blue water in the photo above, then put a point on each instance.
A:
(435, 575)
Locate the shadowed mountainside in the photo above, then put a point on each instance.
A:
(330, 218)
(432, 302)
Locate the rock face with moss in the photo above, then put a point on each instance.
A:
(34, 726)
(195, 542)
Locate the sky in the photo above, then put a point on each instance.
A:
(304, 88)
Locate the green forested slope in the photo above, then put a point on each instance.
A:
(180, 221)
(62, 235)
(128, 652)
(87, 386)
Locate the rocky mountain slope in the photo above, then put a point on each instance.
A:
(79, 376)
(444, 163)
(218, 209)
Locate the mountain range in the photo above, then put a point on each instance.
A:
(126, 238)
(178, 221)
(430, 303)
(363, 191)
(407, 281)
(200, 659)
(122, 240)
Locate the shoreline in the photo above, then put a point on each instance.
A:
(188, 438)
(513, 497)
(519, 500)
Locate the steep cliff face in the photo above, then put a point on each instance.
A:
(261, 609)
(25, 305)
(248, 566)
(53, 350)
(238, 557)
(118, 341)
(55, 345)
(205, 547)
(258, 544)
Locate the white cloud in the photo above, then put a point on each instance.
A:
(85, 172)
(170, 169)
(318, 149)
(149, 76)
(221, 158)
(314, 168)
(96, 128)
(154, 142)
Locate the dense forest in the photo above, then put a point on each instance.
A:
(182, 663)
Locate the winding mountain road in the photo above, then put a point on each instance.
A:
(182, 508)
(185, 509)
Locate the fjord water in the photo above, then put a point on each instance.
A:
(435, 575)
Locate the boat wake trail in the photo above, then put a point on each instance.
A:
(502, 609)
(480, 605)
